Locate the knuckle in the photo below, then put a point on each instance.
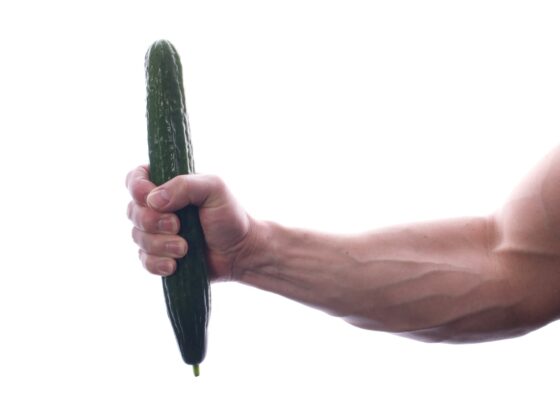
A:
(179, 186)
(135, 178)
(147, 262)
(129, 210)
(158, 265)
(142, 221)
(129, 177)
(151, 265)
(145, 219)
(153, 244)
(139, 191)
(217, 183)
(139, 239)
(135, 235)
(217, 191)
(142, 257)
(153, 221)
(150, 221)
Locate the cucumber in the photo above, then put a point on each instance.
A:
(187, 291)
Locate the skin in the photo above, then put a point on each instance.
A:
(460, 280)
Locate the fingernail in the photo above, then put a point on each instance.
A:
(158, 198)
(167, 225)
(176, 248)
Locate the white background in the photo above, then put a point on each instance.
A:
(336, 116)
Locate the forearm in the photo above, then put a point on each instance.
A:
(434, 281)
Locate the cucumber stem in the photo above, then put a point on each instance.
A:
(196, 370)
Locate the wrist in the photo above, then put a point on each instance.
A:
(256, 252)
(300, 265)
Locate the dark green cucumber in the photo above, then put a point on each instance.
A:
(187, 291)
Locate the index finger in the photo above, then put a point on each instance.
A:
(139, 184)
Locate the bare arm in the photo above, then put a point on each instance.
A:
(433, 281)
(462, 280)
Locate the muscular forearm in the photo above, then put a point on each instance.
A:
(433, 281)
(459, 280)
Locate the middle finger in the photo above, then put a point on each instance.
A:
(149, 220)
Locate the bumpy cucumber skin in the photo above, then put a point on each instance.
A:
(187, 291)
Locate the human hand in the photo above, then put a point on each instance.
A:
(227, 227)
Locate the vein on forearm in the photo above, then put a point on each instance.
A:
(435, 281)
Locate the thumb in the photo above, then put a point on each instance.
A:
(179, 192)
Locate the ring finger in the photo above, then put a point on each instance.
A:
(171, 246)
